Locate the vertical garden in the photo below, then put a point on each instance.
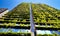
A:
(17, 21)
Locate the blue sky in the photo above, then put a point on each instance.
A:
(10, 4)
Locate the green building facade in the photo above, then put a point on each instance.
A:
(17, 21)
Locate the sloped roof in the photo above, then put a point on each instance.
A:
(2, 9)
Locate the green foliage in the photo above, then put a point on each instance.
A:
(42, 13)
(45, 14)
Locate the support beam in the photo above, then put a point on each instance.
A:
(33, 31)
